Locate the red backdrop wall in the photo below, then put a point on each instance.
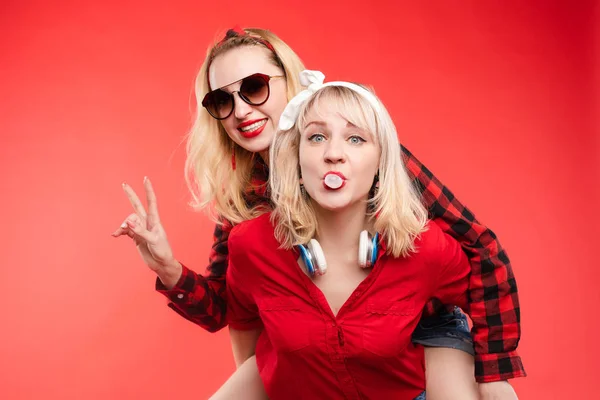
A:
(497, 98)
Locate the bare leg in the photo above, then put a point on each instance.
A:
(450, 374)
(245, 383)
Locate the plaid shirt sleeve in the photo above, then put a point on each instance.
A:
(493, 298)
(203, 299)
(200, 299)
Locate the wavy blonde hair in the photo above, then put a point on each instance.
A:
(396, 210)
(208, 168)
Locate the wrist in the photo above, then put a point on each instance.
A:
(170, 273)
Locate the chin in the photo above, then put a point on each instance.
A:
(257, 144)
(333, 205)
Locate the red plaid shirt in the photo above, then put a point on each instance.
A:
(493, 299)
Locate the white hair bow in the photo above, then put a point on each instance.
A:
(313, 80)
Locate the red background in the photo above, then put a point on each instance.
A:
(498, 98)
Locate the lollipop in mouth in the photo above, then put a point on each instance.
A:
(334, 180)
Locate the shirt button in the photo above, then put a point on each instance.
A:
(180, 296)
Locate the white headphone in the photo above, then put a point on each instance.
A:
(314, 259)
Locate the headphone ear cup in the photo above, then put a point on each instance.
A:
(307, 259)
(363, 249)
(317, 252)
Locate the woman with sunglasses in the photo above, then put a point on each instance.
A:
(245, 83)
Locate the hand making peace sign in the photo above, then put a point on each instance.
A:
(149, 235)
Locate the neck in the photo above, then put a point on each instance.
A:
(339, 230)
(264, 155)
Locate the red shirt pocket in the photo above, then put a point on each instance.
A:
(386, 327)
(284, 323)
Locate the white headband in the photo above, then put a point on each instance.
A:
(314, 81)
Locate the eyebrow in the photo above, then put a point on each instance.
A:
(351, 125)
(318, 123)
(348, 125)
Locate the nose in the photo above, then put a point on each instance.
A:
(334, 151)
(240, 108)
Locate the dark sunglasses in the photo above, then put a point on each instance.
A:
(254, 90)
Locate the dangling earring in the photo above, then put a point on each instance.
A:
(374, 186)
(373, 192)
(303, 191)
(233, 156)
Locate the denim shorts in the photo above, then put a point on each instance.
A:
(447, 329)
(421, 396)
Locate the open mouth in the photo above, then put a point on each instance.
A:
(251, 129)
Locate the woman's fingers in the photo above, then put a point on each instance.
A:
(121, 230)
(153, 217)
(124, 228)
(136, 225)
(137, 205)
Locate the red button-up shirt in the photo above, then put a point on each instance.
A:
(493, 293)
(365, 351)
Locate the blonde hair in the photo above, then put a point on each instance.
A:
(396, 210)
(209, 174)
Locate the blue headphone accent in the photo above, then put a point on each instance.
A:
(375, 248)
(307, 258)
